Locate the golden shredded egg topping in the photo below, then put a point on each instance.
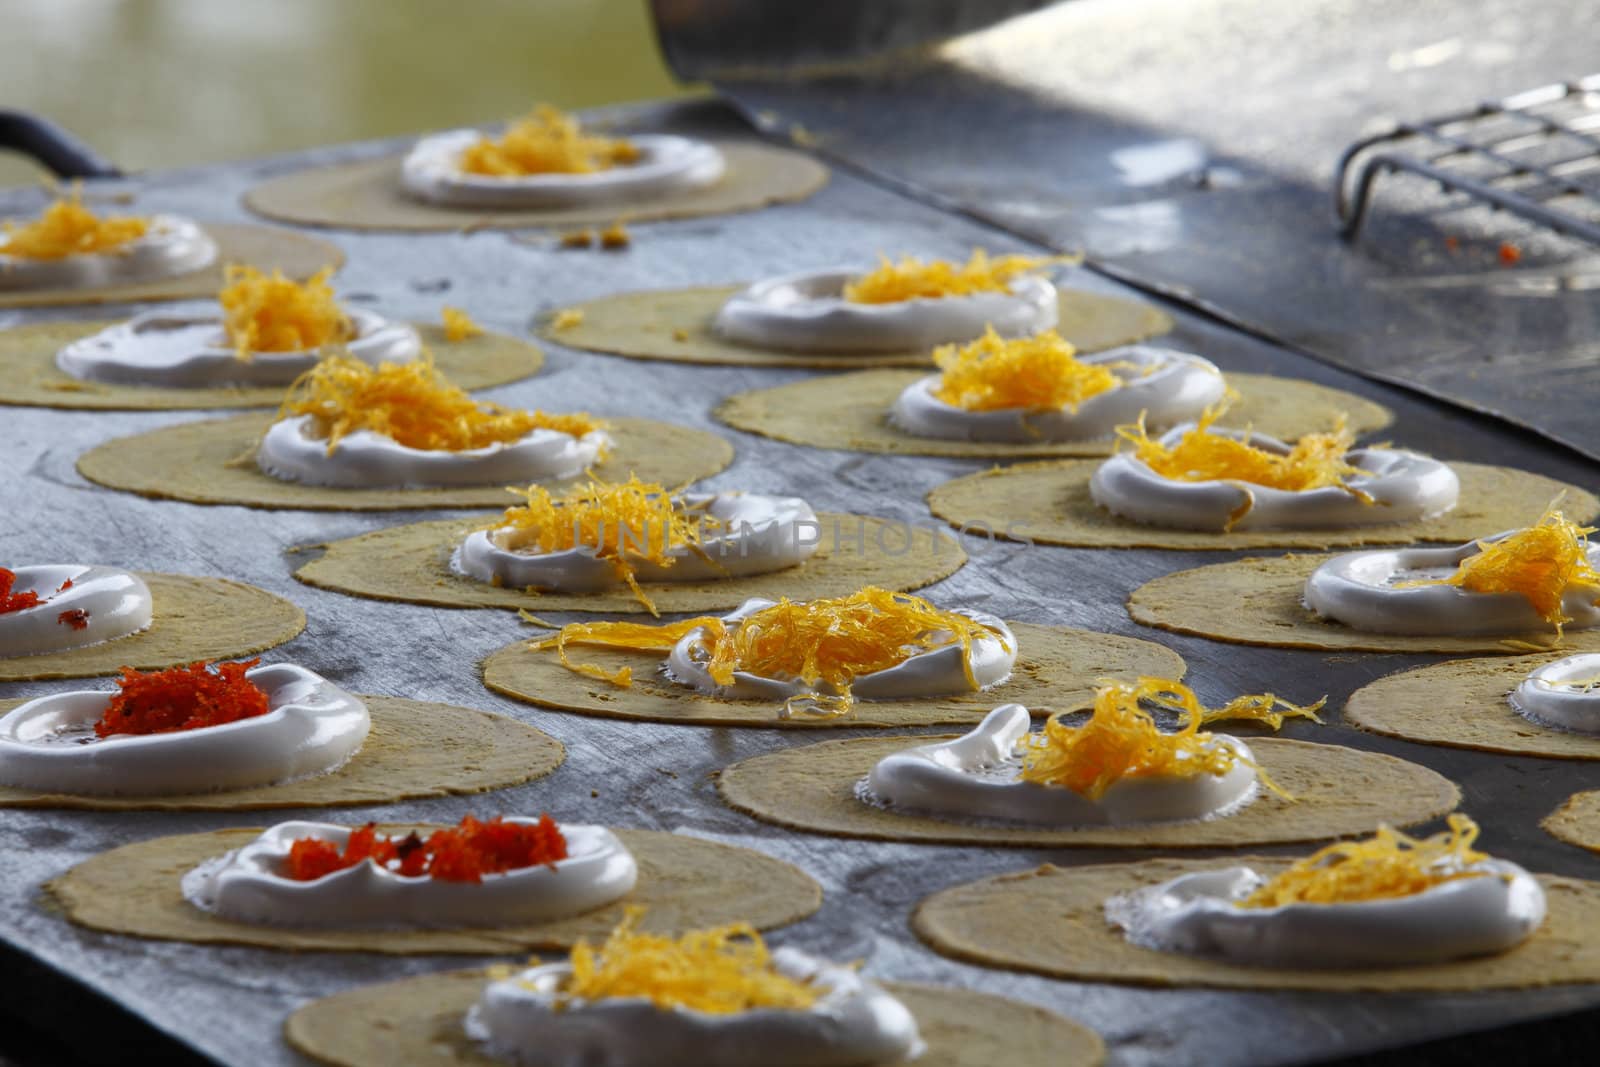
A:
(1039, 373)
(547, 141)
(721, 971)
(824, 642)
(912, 278)
(1316, 461)
(624, 522)
(67, 228)
(1383, 867)
(458, 325)
(1121, 739)
(412, 404)
(1540, 562)
(262, 313)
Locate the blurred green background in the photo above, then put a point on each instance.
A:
(162, 83)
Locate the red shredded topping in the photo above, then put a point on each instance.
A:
(1509, 253)
(183, 698)
(10, 601)
(459, 854)
(76, 618)
(18, 601)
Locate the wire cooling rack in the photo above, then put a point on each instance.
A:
(1535, 155)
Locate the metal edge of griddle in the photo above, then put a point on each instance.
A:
(51, 1023)
(1565, 1037)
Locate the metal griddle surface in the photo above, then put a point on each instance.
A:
(228, 1004)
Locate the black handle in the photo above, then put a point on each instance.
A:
(53, 147)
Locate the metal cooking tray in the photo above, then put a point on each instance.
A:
(189, 1002)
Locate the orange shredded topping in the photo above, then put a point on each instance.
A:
(547, 141)
(1317, 460)
(10, 601)
(463, 853)
(624, 521)
(1540, 562)
(76, 618)
(615, 236)
(1121, 740)
(413, 404)
(822, 643)
(458, 325)
(1388, 865)
(721, 971)
(914, 279)
(278, 314)
(182, 698)
(67, 228)
(1040, 373)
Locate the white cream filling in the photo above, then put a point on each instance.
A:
(171, 246)
(976, 776)
(934, 673)
(855, 1022)
(667, 165)
(314, 727)
(247, 885)
(114, 602)
(807, 312)
(753, 535)
(1196, 915)
(1403, 486)
(290, 450)
(1163, 385)
(161, 348)
(1363, 591)
(1563, 694)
